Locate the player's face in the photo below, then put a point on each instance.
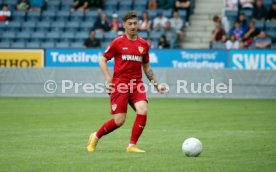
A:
(131, 26)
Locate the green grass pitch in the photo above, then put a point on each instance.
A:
(50, 135)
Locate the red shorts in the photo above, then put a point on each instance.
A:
(119, 100)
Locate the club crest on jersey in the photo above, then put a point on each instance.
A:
(114, 107)
(141, 49)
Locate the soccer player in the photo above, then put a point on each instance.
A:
(131, 54)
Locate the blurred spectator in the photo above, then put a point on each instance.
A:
(262, 41)
(92, 41)
(115, 24)
(231, 4)
(101, 24)
(170, 33)
(5, 13)
(237, 31)
(184, 5)
(247, 4)
(177, 25)
(224, 21)
(259, 12)
(272, 12)
(250, 35)
(218, 34)
(152, 5)
(22, 5)
(149, 41)
(96, 4)
(232, 43)
(163, 42)
(145, 23)
(243, 22)
(159, 21)
(37, 5)
(80, 5)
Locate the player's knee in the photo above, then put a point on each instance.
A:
(142, 110)
(120, 120)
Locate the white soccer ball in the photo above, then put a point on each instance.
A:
(192, 147)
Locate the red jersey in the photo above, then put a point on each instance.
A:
(129, 56)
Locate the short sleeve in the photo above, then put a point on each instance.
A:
(146, 56)
(110, 52)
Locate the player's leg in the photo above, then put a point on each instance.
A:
(105, 129)
(138, 101)
(119, 102)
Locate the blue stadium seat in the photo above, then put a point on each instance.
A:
(111, 5)
(58, 26)
(53, 5)
(18, 16)
(47, 45)
(43, 26)
(99, 35)
(143, 35)
(91, 16)
(23, 36)
(271, 26)
(125, 5)
(105, 44)
(72, 26)
(63, 16)
(86, 26)
(33, 16)
(8, 36)
(155, 35)
(14, 26)
(152, 14)
(5, 44)
(33, 45)
(28, 26)
(168, 13)
(48, 16)
(81, 36)
(66, 5)
(18, 45)
(67, 36)
(53, 36)
(62, 45)
(259, 24)
(109, 36)
(248, 13)
(38, 36)
(77, 16)
(76, 45)
(3, 27)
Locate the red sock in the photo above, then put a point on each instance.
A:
(106, 128)
(138, 127)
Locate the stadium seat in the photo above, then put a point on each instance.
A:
(109, 36)
(28, 26)
(58, 26)
(67, 36)
(111, 5)
(43, 26)
(62, 45)
(76, 45)
(38, 36)
(231, 15)
(14, 26)
(152, 14)
(48, 16)
(168, 13)
(23, 36)
(47, 45)
(125, 5)
(18, 16)
(5, 44)
(259, 24)
(63, 16)
(53, 36)
(72, 26)
(100, 36)
(53, 5)
(3, 27)
(143, 35)
(86, 26)
(77, 16)
(18, 45)
(271, 26)
(33, 16)
(155, 35)
(91, 15)
(33, 45)
(105, 44)
(81, 36)
(8, 36)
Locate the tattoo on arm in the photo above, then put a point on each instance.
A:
(150, 75)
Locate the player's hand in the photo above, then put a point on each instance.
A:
(163, 88)
(109, 85)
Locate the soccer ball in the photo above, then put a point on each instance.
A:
(192, 147)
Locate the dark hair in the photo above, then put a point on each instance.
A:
(129, 15)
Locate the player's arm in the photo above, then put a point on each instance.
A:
(103, 65)
(151, 77)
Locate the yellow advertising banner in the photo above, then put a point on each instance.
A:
(21, 58)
